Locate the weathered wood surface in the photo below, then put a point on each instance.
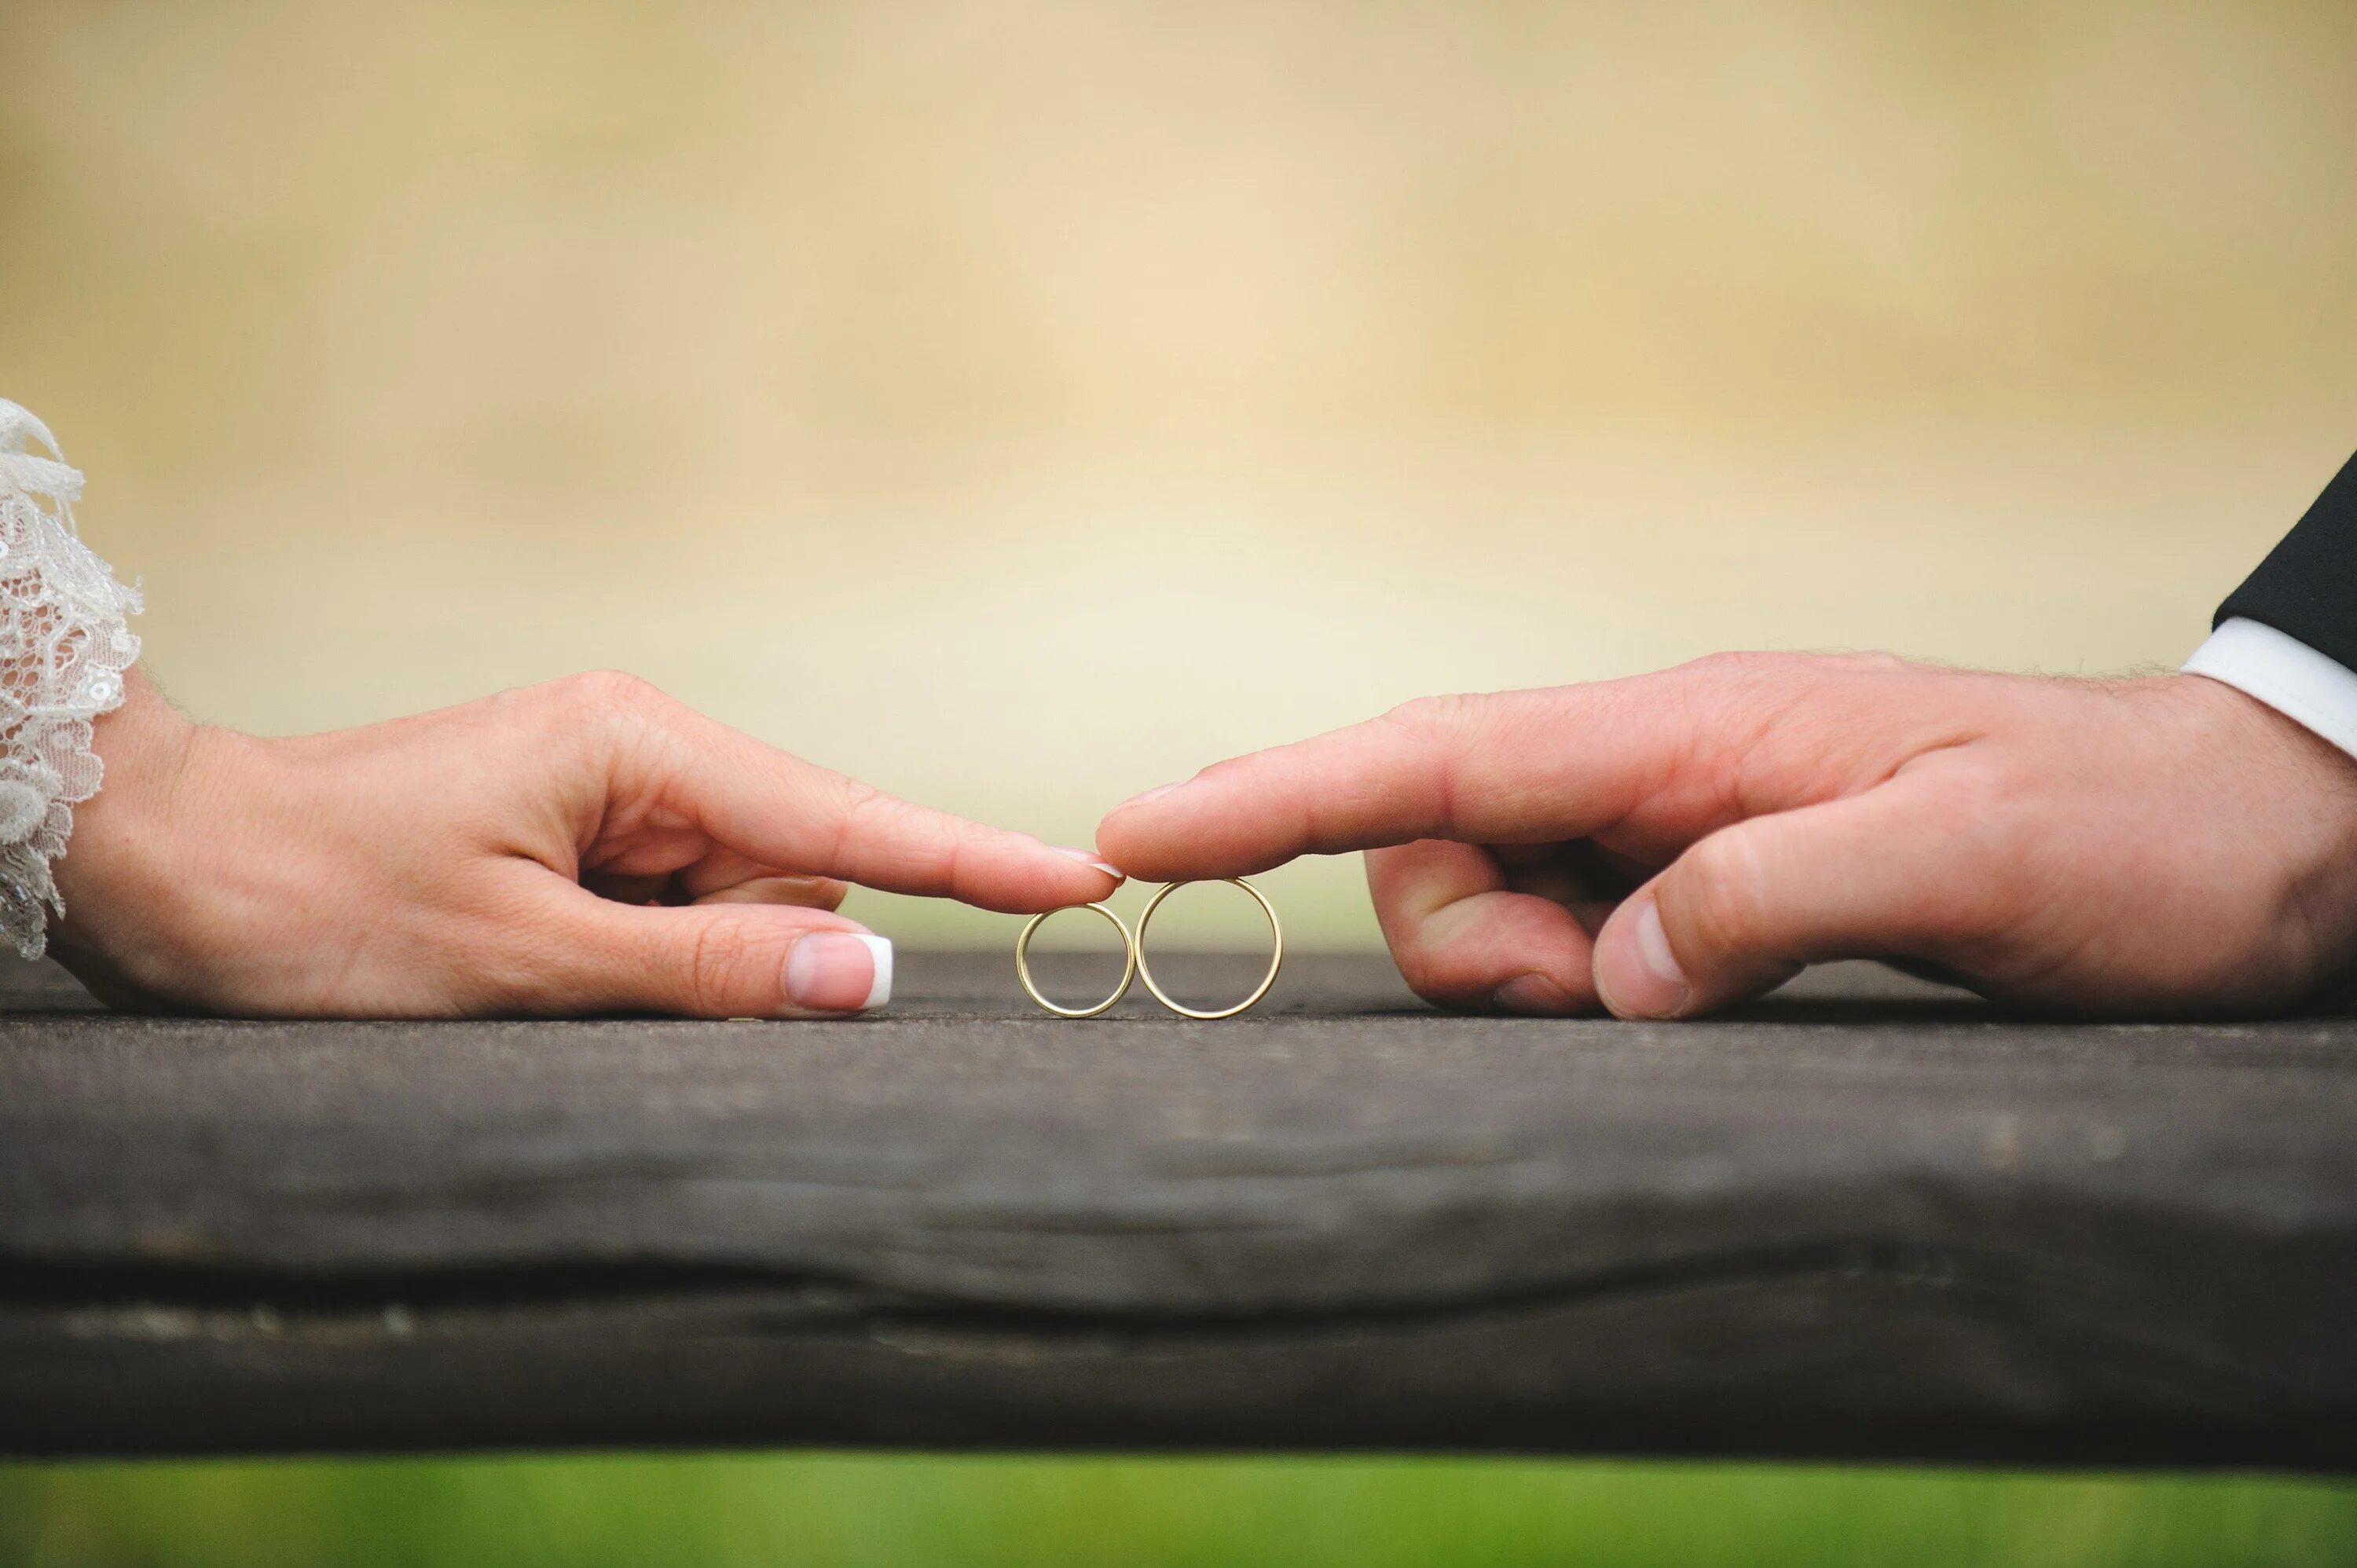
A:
(1885, 1225)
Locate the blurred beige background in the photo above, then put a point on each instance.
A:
(1021, 405)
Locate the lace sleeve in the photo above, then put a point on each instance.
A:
(64, 647)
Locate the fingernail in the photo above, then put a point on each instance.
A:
(840, 972)
(1535, 995)
(1154, 794)
(1091, 859)
(1661, 985)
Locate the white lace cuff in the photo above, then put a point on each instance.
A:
(63, 649)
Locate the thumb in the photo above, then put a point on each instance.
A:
(1746, 908)
(725, 960)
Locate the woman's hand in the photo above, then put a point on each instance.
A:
(1665, 845)
(585, 846)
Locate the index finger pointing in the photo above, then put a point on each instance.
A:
(1427, 771)
(1691, 748)
(880, 841)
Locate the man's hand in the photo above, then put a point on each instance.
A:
(1665, 845)
(584, 846)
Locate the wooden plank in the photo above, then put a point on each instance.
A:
(1866, 1219)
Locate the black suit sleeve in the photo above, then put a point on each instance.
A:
(2307, 587)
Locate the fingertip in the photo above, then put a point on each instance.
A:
(1152, 846)
(1132, 850)
(1119, 839)
(1001, 870)
(1182, 831)
(1638, 975)
(1094, 861)
(1041, 876)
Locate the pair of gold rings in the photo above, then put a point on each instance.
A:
(1134, 967)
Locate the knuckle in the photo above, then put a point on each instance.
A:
(1422, 960)
(1439, 718)
(862, 813)
(608, 714)
(1418, 966)
(856, 800)
(1435, 972)
(1745, 663)
(1443, 741)
(607, 692)
(1876, 661)
(1723, 893)
(1775, 669)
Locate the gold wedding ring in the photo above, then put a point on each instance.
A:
(1275, 958)
(1133, 948)
(1128, 968)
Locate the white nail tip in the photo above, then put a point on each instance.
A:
(879, 992)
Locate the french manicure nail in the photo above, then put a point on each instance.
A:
(1091, 859)
(1663, 978)
(839, 972)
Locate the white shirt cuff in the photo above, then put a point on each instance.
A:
(2286, 674)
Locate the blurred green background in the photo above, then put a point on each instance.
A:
(834, 1512)
(1023, 402)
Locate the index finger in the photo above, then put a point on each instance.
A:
(774, 808)
(1678, 753)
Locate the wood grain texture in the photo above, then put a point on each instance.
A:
(1866, 1220)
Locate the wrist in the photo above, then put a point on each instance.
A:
(2295, 798)
(2269, 742)
(125, 836)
